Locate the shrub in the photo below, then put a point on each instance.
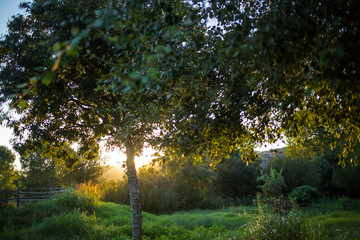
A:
(348, 204)
(274, 183)
(280, 204)
(326, 164)
(88, 189)
(296, 171)
(76, 201)
(290, 226)
(63, 226)
(348, 180)
(305, 195)
(116, 192)
(235, 179)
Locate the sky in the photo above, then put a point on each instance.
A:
(9, 8)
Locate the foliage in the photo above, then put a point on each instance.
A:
(274, 184)
(236, 179)
(299, 58)
(84, 171)
(347, 180)
(39, 171)
(76, 223)
(290, 225)
(99, 74)
(326, 164)
(168, 188)
(116, 192)
(46, 171)
(7, 172)
(304, 195)
(296, 171)
(76, 201)
(112, 221)
(193, 180)
(136, 72)
(348, 204)
(89, 190)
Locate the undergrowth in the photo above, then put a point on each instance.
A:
(76, 216)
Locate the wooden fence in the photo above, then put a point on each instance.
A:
(30, 195)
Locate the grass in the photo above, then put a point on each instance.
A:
(77, 218)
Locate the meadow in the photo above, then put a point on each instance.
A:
(75, 216)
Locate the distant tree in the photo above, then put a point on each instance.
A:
(39, 171)
(48, 171)
(82, 172)
(296, 171)
(347, 180)
(7, 172)
(235, 180)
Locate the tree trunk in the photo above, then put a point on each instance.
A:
(133, 183)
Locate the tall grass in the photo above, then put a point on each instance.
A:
(76, 216)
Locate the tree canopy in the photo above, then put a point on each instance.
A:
(7, 172)
(301, 60)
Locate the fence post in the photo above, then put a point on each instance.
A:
(18, 198)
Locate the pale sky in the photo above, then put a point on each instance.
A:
(8, 8)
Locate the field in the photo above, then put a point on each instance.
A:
(78, 217)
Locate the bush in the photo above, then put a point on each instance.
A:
(89, 190)
(274, 184)
(296, 172)
(326, 164)
(305, 195)
(76, 201)
(290, 226)
(348, 180)
(63, 226)
(235, 179)
(116, 192)
(348, 204)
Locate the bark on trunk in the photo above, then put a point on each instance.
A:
(133, 183)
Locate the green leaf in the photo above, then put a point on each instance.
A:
(22, 104)
(98, 23)
(47, 79)
(21, 85)
(75, 31)
(152, 73)
(134, 75)
(33, 80)
(39, 69)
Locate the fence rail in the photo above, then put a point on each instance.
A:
(30, 195)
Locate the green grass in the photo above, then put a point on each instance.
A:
(54, 220)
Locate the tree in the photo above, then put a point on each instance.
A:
(7, 172)
(79, 75)
(39, 171)
(47, 171)
(300, 59)
(83, 171)
(236, 180)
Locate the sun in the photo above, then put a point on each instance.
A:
(117, 158)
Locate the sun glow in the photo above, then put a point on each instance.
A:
(118, 158)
